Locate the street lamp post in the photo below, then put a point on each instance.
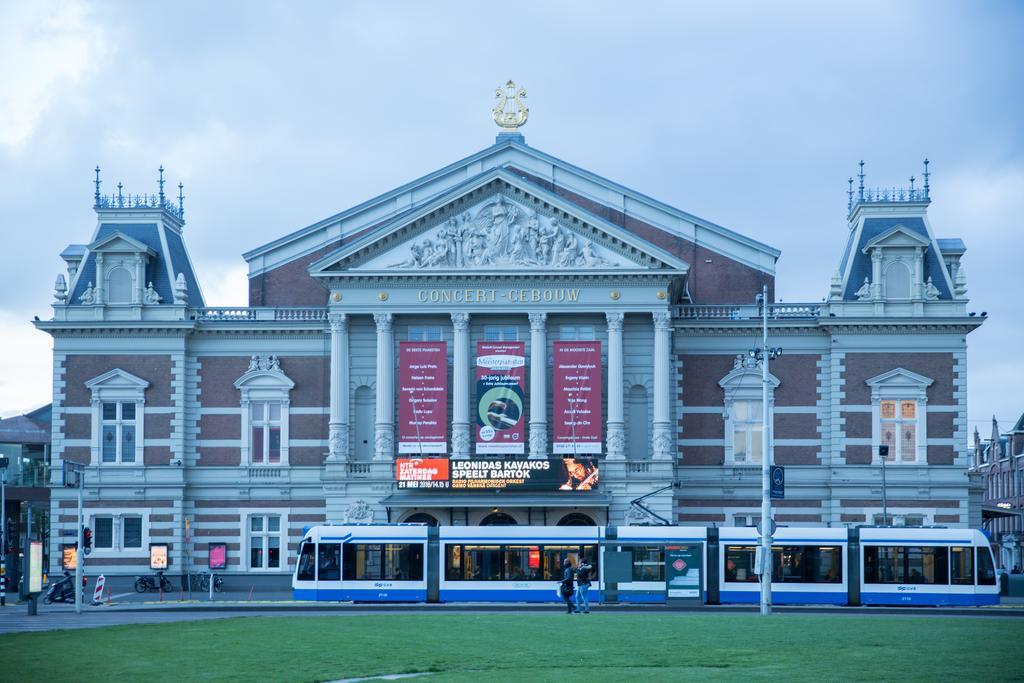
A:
(3, 531)
(764, 354)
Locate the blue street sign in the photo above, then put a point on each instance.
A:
(778, 482)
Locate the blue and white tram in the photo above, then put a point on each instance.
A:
(926, 567)
(362, 563)
(809, 566)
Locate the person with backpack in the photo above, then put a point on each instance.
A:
(583, 572)
(565, 585)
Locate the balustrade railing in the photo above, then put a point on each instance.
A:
(262, 314)
(746, 312)
(266, 472)
(358, 469)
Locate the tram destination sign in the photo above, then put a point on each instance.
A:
(550, 474)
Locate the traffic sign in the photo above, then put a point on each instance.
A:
(772, 526)
(778, 482)
(97, 593)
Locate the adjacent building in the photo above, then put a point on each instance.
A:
(999, 462)
(437, 352)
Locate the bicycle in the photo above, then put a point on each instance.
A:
(201, 581)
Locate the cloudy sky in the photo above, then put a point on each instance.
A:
(275, 115)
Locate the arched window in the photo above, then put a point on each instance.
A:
(422, 518)
(119, 286)
(576, 519)
(639, 423)
(365, 418)
(897, 281)
(498, 519)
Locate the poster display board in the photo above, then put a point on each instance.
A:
(422, 397)
(577, 397)
(683, 566)
(218, 556)
(500, 403)
(35, 567)
(158, 556)
(550, 474)
(69, 556)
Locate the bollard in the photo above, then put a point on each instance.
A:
(181, 595)
(161, 593)
(108, 597)
(250, 593)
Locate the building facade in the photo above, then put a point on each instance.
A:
(200, 425)
(999, 462)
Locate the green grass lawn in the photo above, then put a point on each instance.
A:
(527, 647)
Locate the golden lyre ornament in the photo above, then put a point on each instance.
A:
(510, 112)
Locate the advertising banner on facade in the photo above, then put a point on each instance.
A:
(577, 397)
(550, 474)
(422, 397)
(500, 403)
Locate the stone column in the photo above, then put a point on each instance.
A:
(460, 389)
(384, 428)
(616, 430)
(140, 286)
(538, 385)
(338, 434)
(99, 290)
(661, 439)
(876, 273)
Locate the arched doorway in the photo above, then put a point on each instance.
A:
(576, 519)
(498, 519)
(422, 518)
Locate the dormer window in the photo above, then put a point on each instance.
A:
(121, 263)
(119, 285)
(897, 280)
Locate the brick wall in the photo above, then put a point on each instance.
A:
(155, 369)
(861, 367)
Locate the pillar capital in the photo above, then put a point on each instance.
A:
(662, 320)
(538, 320)
(384, 321)
(460, 321)
(338, 322)
(614, 319)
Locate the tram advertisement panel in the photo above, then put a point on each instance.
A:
(548, 474)
(422, 397)
(500, 387)
(577, 401)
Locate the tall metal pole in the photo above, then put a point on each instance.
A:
(80, 552)
(766, 502)
(885, 505)
(3, 533)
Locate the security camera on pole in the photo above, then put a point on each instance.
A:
(767, 526)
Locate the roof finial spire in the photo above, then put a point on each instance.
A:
(926, 174)
(120, 197)
(181, 201)
(849, 196)
(96, 197)
(161, 169)
(861, 176)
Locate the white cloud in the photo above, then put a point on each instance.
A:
(51, 51)
(224, 284)
(25, 365)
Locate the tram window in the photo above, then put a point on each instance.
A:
(739, 564)
(329, 562)
(307, 563)
(986, 569)
(899, 564)
(826, 565)
(522, 563)
(648, 563)
(961, 564)
(481, 563)
(383, 562)
(927, 565)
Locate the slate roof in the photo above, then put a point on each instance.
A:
(872, 228)
(22, 429)
(161, 269)
(951, 245)
(1019, 427)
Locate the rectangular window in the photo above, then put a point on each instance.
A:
(576, 333)
(117, 432)
(501, 333)
(649, 563)
(747, 431)
(906, 564)
(739, 564)
(383, 562)
(986, 568)
(103, 533)
(898, 429)
(512, 563)
(329, 562)
(961, 565)
(131, 533)
(425, 333)
(265, 429)
(265, 541)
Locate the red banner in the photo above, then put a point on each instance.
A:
(577, 397)
(422, 397)
(421, 473)
(500, 387)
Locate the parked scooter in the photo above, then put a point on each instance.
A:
(63, 590)
(150, 583)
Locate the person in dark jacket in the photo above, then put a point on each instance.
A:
(566, 585)
(583, 572)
